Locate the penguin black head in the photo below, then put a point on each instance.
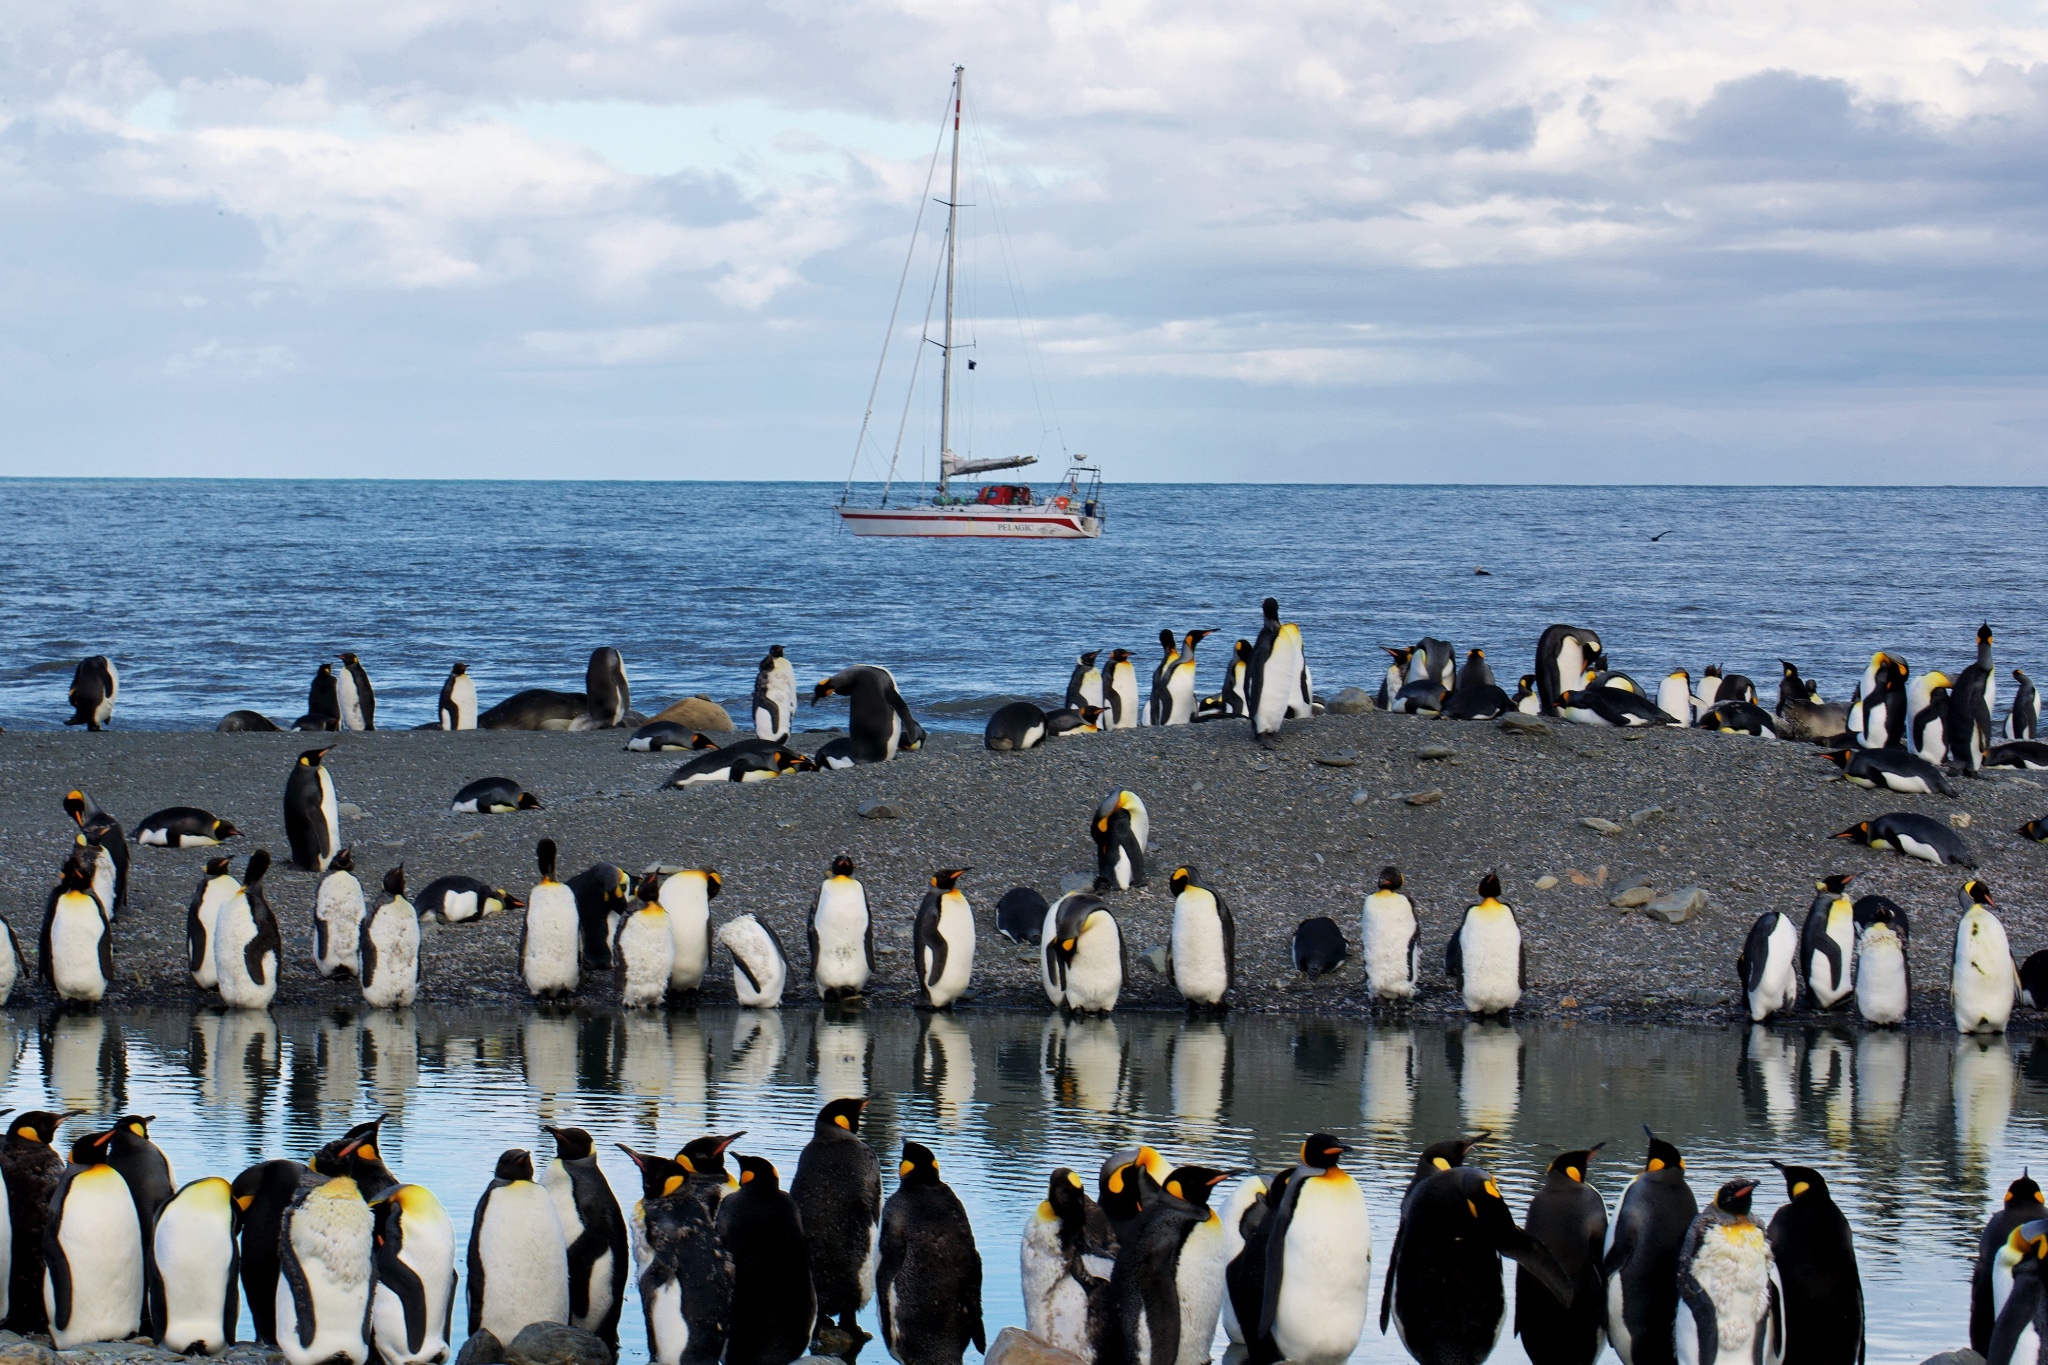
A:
(544, 854)
(1391, 879)
(459, 670)
(1984, 634)
(76, 875)
(76, 806)
(1573, 1164)
(757, 1173)
(311, 758)
(713, 884)
(39, 1125)
(1125, 1178)
(528, 801)
(344, 860)
(774, 652)
(394, 881)
(1860, 832)
(1839, 757)
(135, 1125)
(91, 1148)
(842, 866)
(258, 864)
(1662, 1155)
(660, 1176)
(1835, 882)
(1321, 1151)
(1166, 640)
(346, 657)
(706, 1155)
(1270, 609)
(1117, 656)
(1195, 637)
(1442, 1156)
(841, 1116)
(1975, 892)
(1791, 671)
(1067, 1196)
(700, 740)
(1400, 656)
(355, 1153)
(920, 1165)
(946, 878)
(2022, 1191)
(1803, 1182)
(1183, 877)
(1088, 660)
(2037, 830)
(1194, 1184)
(1877, 910)
(571, 1144)
(225, 829)
(649, 889)
(1733, 1197)
(1489, 887)
(515, 1164)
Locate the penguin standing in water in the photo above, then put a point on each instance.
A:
(151, 1183)
(1120, 691)
(102, 831)
(32, 1170)
(878, 720)
(595, 1231)
(1816, 1259)
(685, 1276)
(2023, 1203)
(390, 948)
(1730, 1305)
(645, 950)
(262, 1193)
(1484, 957)
(1443, 1291)
(312, 814)
(1393, 940)
(774, 697)
(608, 694)
(760, 969)
(326, 1274)
(773, 1305)
(942, 941)
(518, 1255)
(1983, 981)
(338, 911)
(1082, 955)
(1203, 940)
(1318, 1263)
(1168, 1280)
(838, 1194)
(687, 896)
(1084, 684)
(2023, 720)
(548, 957)
(356, 700)
(1827, 945)
(1971, 701)
(413, 1306)
(1121, 828)
(1651, 1223)
(92, 1251)
(1768, 966)
(1066, 1260)
(1883, 989)
(193, 1284)
(928, 1280)
(1180, 682)
(95, 687)
(842, 935)
(1568, 1216)
(76, 955)
(246, 944)
(1157, 706)
(1277, 681)
(458, 700)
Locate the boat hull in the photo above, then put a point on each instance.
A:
(988, 523)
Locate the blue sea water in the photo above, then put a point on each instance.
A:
(212, 595)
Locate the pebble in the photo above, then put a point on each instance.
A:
(1158, 959)
(879, 810)
(1602, 826)
(470, 837)
(350, 810)
(1545, 882)
(1647, 814)
(1360, 797)
(19, 1351)
(1961, 819)
(1076, 881)
(785, 824)
(1965, 1356)
(1632, 897)
(1343, 758)
(1428, 798)
(1430, 753)
(1349, 701)
(1515, 723)
(1015, 1346)
(1676, 907)
(556, 1343)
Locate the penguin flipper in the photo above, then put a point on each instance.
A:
(1454, 952)
(54, 1260)
(1229, 926)
(1277, 1223)
(811, 938)
(928, 940)
(43, 965)
(405, 1282)
(2021, 1306)
(294, 1275)
(1155, 1260)
(106, 952)
(889, 1248)
(366, 948)
(867, 936)
(1701, 1305)
(475, 1277)
(1393, 1274)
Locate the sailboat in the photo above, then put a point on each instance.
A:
(1073, 510)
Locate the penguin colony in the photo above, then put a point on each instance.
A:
(340, 1259)
(1896, 733)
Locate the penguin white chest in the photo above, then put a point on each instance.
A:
(1829, 985)
(1778, 988)
(1198, 1286)
(195, 1256)
(234, 931)
(101, 1241)
(338, 908)
(330, 816)
(1201, 960)
(1096, 976)
(462, 698)
(1390, 945)
(331, 1235)
(394, 932)
(429, 1251)
(841, 921)
(1881, 994)
(1733, 1266)
(550, 962)
(206, 915)
(1326, 1272)
(1983, 984)
(956, 927)
(647, 956)
(1055, 1305)
(525, 1260)
(1280, 681)
(76, 929)
(686, 898)
(1491, 946)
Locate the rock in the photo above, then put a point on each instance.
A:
(1343, 758)
(482, 1348)
(1545, 882)
(1633, 897)
(697, 713)
(1428, 798)
(1077, 881)
(250, 1353)
(1570, 1002)
(1515, 723)
(1430, 753)
(1643, 817)
(1360, 797)
(1349, 701)
(1961, 1356)
(1015, 1346)
(1676, 907)
(1704, 995)
(879, 810)
(349, 810)
(785, 824)
(1640, 879)
(1159, 959)
(1961, 819)
(556, 1343)
(833, 1343)
(22, 1352)
(1595, 823)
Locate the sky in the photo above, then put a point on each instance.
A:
(1767, 241)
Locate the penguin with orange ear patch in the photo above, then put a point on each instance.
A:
(1318, 1271)
(773, 1304)
(1569, 1217)
(1169, 1274)
(928, 1285)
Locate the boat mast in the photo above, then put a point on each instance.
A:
(952, 236)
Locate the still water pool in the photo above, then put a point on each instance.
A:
(1917, 1134)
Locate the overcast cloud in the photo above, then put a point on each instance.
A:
(1694, 242)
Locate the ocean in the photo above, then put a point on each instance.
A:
(214, 595)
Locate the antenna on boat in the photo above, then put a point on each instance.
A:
(952, 240)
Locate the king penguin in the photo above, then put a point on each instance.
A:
(1120, 688)
(838, 1194)
(1569, 1217)
(194, 1271)
(151, 1183)
(311, 812)
(413, 1308)
(1082, 955)
(518, 1254)
(1816, 1257)
(1730, 1306)
(1084, 684)
(687, 896)
(262, 1193)
(1827, 945)
(104, 832)
(2023, 720)
(338, 918)
(390, 948)
(1393, 965)
(1983, 981)
(1318, 1272)
(774, 697)
(1971, 701)
(942, 941)
(1168, 1280)
(246, 944)
(842, 935)
(685, 1276)
(2023, 1203)
(95, 687)
(1768, 966)
(356, 699)
(595, 1231)
(1203, 940)
(1157, 705)
(760, 969)
(326, 1272)
(928, 1276)
(1278, 678)
(1121, 828)
(644, 950)
(76, 956)
(1640, 1266)
(1065, 1261)
(1883, 988)
(548, 939)
(773, 1305)
(1484, 958)
(608, 691)
(92, 1251)
(458, 700)
(1180, 681)
(878, 720)
(32, 1170)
